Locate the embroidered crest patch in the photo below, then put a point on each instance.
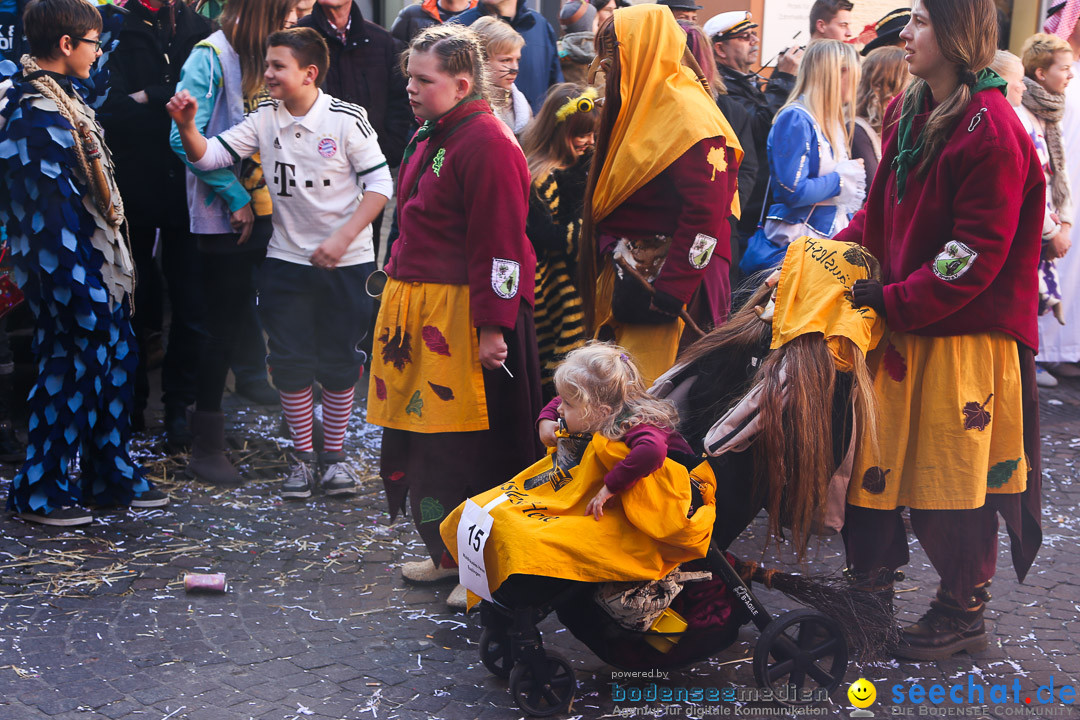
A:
(954, 260)
(505, 277)
(701, 251)
(327, 147)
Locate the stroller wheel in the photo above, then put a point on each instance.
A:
(798, 646)
(495, 653)
(543, 697)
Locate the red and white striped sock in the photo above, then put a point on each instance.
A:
(299, 409)
(336, 411)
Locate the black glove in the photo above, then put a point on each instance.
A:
(667, 304)
(869, 293)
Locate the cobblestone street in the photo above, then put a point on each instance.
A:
(317, 623)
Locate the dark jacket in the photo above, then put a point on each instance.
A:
(148, 58)
(762, 108)
(365, 71)
(540, 67)
(11, 35)
(420, 16)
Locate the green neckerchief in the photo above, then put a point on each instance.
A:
(908, 148)
(429, 127)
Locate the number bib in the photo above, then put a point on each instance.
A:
(473, 531)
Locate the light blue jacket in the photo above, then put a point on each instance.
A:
(212, 76)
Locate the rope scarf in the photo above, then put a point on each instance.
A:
(1050, 108)
(110, 208)
(909, 148)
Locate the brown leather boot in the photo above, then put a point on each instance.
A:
(946, 629)
(208, 462)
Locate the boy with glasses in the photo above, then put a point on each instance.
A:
(64, 217)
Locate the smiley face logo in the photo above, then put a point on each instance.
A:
(862, 693)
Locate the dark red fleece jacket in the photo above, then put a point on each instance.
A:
(463, 197)
(690, 197)
(986, 192)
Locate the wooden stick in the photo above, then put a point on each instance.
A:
(633, 271)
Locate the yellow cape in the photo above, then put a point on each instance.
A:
(644, 533)
(665, 111)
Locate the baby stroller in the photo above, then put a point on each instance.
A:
(789, 392)
(799, 649)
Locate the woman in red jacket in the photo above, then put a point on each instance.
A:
(954, 215)
(455, 377)
(661, 189)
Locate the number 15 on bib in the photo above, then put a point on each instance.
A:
(474, 529)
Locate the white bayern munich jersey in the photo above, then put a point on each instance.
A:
(317, 169)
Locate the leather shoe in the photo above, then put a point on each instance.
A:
(945, 629)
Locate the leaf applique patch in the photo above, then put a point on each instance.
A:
(873, 480)
(894, 363)
(416, 405)
(443, 392)
(1000, 473)
(976, 416)
(431, 510)
(397, 350)
(435, 340)
(380, 387)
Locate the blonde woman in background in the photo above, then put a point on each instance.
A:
(884, 76)
(1011, 70)
(816, 185)
(502, 47)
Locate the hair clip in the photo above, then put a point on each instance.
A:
(624, 357)
(583, 103)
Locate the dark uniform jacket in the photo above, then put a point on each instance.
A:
(148, 58)
(364, 70)
(420, 16)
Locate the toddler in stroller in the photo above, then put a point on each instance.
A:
(795, 351)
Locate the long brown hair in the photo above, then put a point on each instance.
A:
(247, 25)
(546, 140)
(607, 51)
(966, 33)
(884, 76)
(793, 453)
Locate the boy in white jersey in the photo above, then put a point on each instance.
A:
(329, 180)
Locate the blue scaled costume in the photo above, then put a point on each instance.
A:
(64, 216)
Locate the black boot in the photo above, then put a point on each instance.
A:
(879, 583)
(11, 450)
(177, 434)
(947, 628)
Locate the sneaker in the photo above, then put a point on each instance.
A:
(458, 599)
(424, 571)
(338, 477)
(152, 498)
(1043, 378)
(60, 517)
(301, 478)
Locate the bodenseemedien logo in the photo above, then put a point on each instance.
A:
(862, 694)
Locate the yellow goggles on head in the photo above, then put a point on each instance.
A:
(584, 103)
